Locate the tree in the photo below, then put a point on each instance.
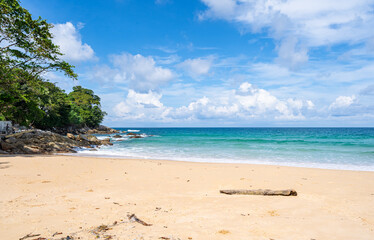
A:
(26, 52)
(86, 107)
(55, 105)
(26, 43)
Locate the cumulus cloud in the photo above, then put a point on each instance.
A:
(197, 66)
(141, 106)
(67, 36)
(350, 106)
(136, 71)
(246, 102)
(342, 102)
(308, 23)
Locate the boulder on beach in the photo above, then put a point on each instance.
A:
(44, 142)
(71, 136)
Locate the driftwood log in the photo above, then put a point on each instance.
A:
(134, 218)
(265, 192)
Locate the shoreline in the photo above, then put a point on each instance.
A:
(321, 166)
(45, 194)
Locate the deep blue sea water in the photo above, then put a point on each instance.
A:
(331, 148)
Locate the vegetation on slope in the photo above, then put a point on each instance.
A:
(26, 54)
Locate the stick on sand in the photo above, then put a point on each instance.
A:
(265, 192)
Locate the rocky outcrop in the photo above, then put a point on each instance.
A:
(134, 135)
(46, 142)
(102, 130)
(84, 130)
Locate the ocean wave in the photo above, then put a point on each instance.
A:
(108, 152)
(133, 130)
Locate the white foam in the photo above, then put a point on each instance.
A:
(138, 153)
(132, 130)
(102, 137)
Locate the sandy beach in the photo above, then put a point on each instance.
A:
(73, 196)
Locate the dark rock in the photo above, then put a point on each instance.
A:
(3, 152)
(106, 141)
(136, 136)
(6, 146)
(117, 136)
(11, 140)
(37, 141)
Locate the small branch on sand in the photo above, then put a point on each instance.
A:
(265, 192)
(134, 218)
(56, 233)
(29, 236)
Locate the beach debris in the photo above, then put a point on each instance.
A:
(265, 192)
(30, 235)
(40, 238)
(100, 230)
(67, 238)
(134, 218)
(224, 231)
(56, 233)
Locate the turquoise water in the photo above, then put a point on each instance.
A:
(332, 148)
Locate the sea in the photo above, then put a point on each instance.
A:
(326, 148)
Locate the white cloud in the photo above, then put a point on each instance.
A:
(307, 23)
(141, 106)
(342, 102)
(138, 72)
(197, 66)
(68, 38)
(310, 104)
(245, 103)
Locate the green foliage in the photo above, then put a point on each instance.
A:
(26, 43)
(85, 107)
(26, 52)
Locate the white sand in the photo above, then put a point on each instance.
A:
(74, 195)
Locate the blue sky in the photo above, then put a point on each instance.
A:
(220, 62)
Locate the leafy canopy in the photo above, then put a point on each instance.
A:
(85, 107)
(26, 43)
(26, 53)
